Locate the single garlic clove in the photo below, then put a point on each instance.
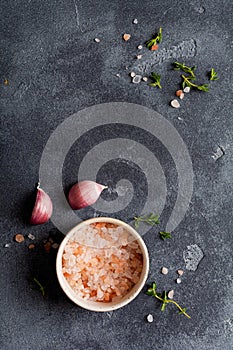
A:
(43, 208)
(84, 193)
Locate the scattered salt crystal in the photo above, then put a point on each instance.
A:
(179, 118)
(137, 79)
(187, 89)
(30, 236)
(135, 21)
(150, 318)
(178, 280)
(139, 57)
(144, 78)
(219, 153)
(19, 238)
(178, 93)
(180, 272)
(118, 75)
(55, 245)
(170, 294)
(140, 47)
(97, 40)
(126, 37)
(175, 103)
(7, 245)
(164, 271)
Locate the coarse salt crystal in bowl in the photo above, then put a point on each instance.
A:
(102, 264)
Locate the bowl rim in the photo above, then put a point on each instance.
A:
(93, 305)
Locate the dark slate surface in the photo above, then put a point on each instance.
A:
(55, 69)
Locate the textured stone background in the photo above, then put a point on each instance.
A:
(55, 69)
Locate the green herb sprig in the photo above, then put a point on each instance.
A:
(151, 219)
(42, 289)
(213, 75)
(187, 82)
(152, 291)
(156, 80)
(183, 310)
(186, 69)
(164, 235)
(156, 40)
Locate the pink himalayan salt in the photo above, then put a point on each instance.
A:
(101, 270)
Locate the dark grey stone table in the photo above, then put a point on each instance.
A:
(54, 69)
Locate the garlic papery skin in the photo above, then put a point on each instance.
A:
(84, 193)
(43, 208)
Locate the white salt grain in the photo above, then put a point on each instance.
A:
(132, 74)
(30, 236)
(7, 245)
(187, 89)
(178, 280)
(170, 294)
(144, 78)
(175, 103)
(139, 57)
(150, 318)
(118, 75)
(135, 21)
(97, 40)
(180, 272)
(137, 79)
(140, 47)
(164, 271)
(181, 96)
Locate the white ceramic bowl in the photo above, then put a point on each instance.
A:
(102, 306)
